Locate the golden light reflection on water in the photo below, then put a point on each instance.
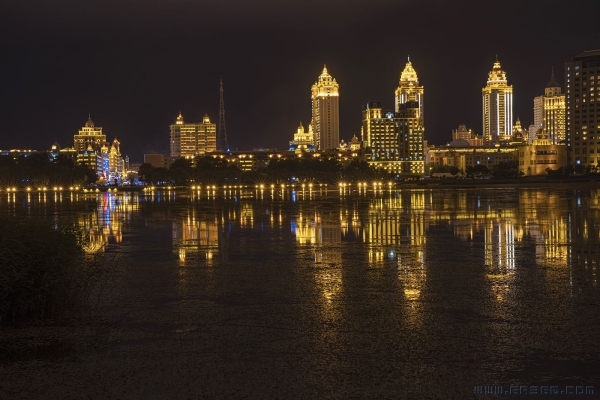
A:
(562, 226)
(196, 234)
(106, 224)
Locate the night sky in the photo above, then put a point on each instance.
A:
(134, 64)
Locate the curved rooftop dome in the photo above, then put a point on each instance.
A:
(459, 143)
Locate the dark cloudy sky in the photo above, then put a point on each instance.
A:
(134, 64)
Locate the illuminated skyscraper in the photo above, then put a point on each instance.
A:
(549, 112)
(409, 84)
(538, 112)
(193, 139)
(582, 108)
(554, 111)
(116, 162)
(89, 136)
(326, 112)
(394, 141)
(497, 106)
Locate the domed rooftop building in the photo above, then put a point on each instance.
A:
(459, 143)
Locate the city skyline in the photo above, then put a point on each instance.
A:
(62, 70)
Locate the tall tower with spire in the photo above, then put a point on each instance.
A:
(222, 140)
(326, 112)
(407, 86)
(497, 106)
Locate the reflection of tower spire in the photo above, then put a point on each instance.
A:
(222, 140)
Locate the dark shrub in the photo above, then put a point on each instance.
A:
(45, 268)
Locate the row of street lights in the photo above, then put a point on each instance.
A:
(366, 185)
(41, 189)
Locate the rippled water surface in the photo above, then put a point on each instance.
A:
(329, 294)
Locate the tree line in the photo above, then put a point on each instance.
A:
(37, 170)
(210, 170)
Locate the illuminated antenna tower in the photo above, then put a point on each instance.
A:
(222, 140)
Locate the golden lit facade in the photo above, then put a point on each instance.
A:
(116, 163)
(325, 112)
(354, 144)
(519, 134)
(192, 139)
(462, 133)
(89, 135)
(583, 110)
(549, 112)
(540, 155)
(303, 141)
(394, 142)
(409, 86)
(554, 111)
(497, 106)
(91, 159)
(470, 156)
(538, 113)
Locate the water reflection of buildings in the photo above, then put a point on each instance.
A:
(396, 222)
(499, 245)
(321, 233)
(196, 235)
(395, 233)
(321, 230)
(585, 234)
(532, 215)
(562, 225)
(106, 224)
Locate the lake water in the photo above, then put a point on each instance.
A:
(315, 293)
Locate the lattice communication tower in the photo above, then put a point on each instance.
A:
(222, 139)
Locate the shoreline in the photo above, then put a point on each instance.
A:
(423, 184)
(491, 183)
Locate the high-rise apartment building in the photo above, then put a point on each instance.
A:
(497, 106)
(582, 109)
(407, 86)
(394, 141)
(549, 113)
(554, 111)
(89, 136)
(538, 112)
(326, 112)
(193, 139)
(116, 162)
